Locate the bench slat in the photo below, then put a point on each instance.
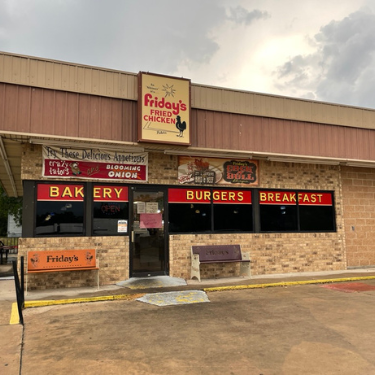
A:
(208, 254)
(223, 261)
(218, 253)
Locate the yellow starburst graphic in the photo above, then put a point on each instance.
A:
(169, 90)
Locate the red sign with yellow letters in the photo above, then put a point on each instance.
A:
(56, 192)
(291, 198)
(206, 196)
(108, 193)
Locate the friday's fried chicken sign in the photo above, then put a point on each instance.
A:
(164, 109)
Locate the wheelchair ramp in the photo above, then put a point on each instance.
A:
(175, 298)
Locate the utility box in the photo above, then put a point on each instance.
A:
(14, 230)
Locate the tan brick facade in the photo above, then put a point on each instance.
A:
(270, 253)
(275, 252)
(112, 252)
(358, 186)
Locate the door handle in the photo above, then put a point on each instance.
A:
(132, 237)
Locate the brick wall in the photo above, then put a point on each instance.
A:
(112, 252)
(358, 185)
(275, 252)
(270, 253)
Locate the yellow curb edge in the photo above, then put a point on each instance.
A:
(14, 317)
(287, 283)
(30, 304)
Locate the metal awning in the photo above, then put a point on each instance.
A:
(11, 154)
(10, 166)
(11, 148)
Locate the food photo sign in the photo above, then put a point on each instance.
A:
(164, 109)
(215, 171)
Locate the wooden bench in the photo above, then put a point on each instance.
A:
(62, 261)
(218, 254)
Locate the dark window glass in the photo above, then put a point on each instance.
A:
(106, 217)
(59, 218)
(278, 218)
(189, 218)
(231, 217)
(316, 218)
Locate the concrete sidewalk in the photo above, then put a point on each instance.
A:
(11, 336)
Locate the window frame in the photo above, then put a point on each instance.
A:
(60, 183)
(92, 203)
(212, 205)
(298, 206)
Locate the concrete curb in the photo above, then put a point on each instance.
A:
(14, 318)
(287, 283)
(82, 300)
(29, 304)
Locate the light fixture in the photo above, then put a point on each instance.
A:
(216, 154)
(303, 161)
(359, 164)
(4, 156)
(72, 144)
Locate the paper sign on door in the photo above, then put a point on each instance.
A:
(151, 220)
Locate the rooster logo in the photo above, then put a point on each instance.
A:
(89, 257)
(35, 260)
(75, 169)
(181, 126)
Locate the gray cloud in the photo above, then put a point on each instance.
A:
(241, 15)
(128, 35)
(117, 34)
(341, 68)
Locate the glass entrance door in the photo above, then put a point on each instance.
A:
(148, 247)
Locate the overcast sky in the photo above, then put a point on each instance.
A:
(316, 49)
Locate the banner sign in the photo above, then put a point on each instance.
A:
(60, 259)
(164, 109)
(290, 198)
(94, 164)
(214, 171)
(205, 196)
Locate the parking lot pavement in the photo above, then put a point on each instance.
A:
(318, 323)
(307, 329)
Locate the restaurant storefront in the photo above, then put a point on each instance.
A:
(144, 167)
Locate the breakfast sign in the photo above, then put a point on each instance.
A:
(92, 163)
(163, 109)
(215, 171)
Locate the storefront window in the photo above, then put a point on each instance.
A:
(59, 210)
(288, 211)
(209, 210)
(316, 212)
(278, 218)
(233, 218)
(110, 210)
(189, 218)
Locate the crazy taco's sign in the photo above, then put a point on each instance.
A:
(164, 109)
(94, 164)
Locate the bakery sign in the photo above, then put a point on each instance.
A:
(90, 163)
(215, 171)
(163, 109)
